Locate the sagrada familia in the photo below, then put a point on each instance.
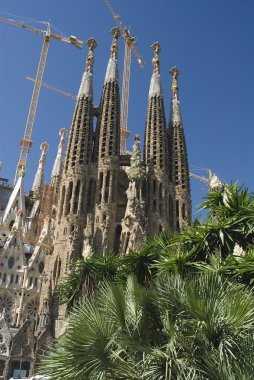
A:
(98, 201)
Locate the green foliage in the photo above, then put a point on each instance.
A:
(197, 327)
(85, 277)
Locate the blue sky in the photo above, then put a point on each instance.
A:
(210, 41)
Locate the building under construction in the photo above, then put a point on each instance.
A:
(100, 200)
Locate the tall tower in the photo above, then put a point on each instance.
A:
(156, 153)
(71, 210)
(50, 194)
(58, 165)
(178, 168)
(39, 176)
(108, 129)
(71, 215)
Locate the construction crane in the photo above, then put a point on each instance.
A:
(201, 178)
(26, 142)
(212, 181)
(129, 46)
(52, 88)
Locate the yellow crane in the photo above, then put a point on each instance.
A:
(52, 88)
(129, 47)
(26, 142)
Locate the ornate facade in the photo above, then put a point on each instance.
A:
(98, 201)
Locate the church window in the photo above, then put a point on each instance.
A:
(170, 211)
(107, 179)
(32, 308)
(183, 210)
(77, 190)
(5, 304)
(4, 277)
(11, 262)
(101, 181)
(68, 199)
(177, 209)
(62, 202)
(17, 279)
(2, 365)
(160, 192)
(154, 186)
(30, 281)
(144, 189)
(41, 267)
(118, 232)
(89, 199)
(11, 280)
(35, 282)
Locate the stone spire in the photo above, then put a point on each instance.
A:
(108, 148)
(155, 84)
(58, 164)
(109, 120)
(178, 159)
(175, 105)
(112, 73)
(39, 176)
(16, 203)
(86, 86)
(80, 142)
(73, 188)
(156, 151)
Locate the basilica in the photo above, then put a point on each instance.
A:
(99, 201)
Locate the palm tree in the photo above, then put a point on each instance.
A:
(230, 221)
(140, 262)
(197, 327)
(85, 277)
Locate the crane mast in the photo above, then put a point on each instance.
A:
(125, 98)
(129, 46)
(26, 142)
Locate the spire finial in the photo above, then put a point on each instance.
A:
(62, 134)
(91, 43)
(114, 46)
(39, 176)
(43, 147)
(174, 86)
(57, 168)
(156, 62)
